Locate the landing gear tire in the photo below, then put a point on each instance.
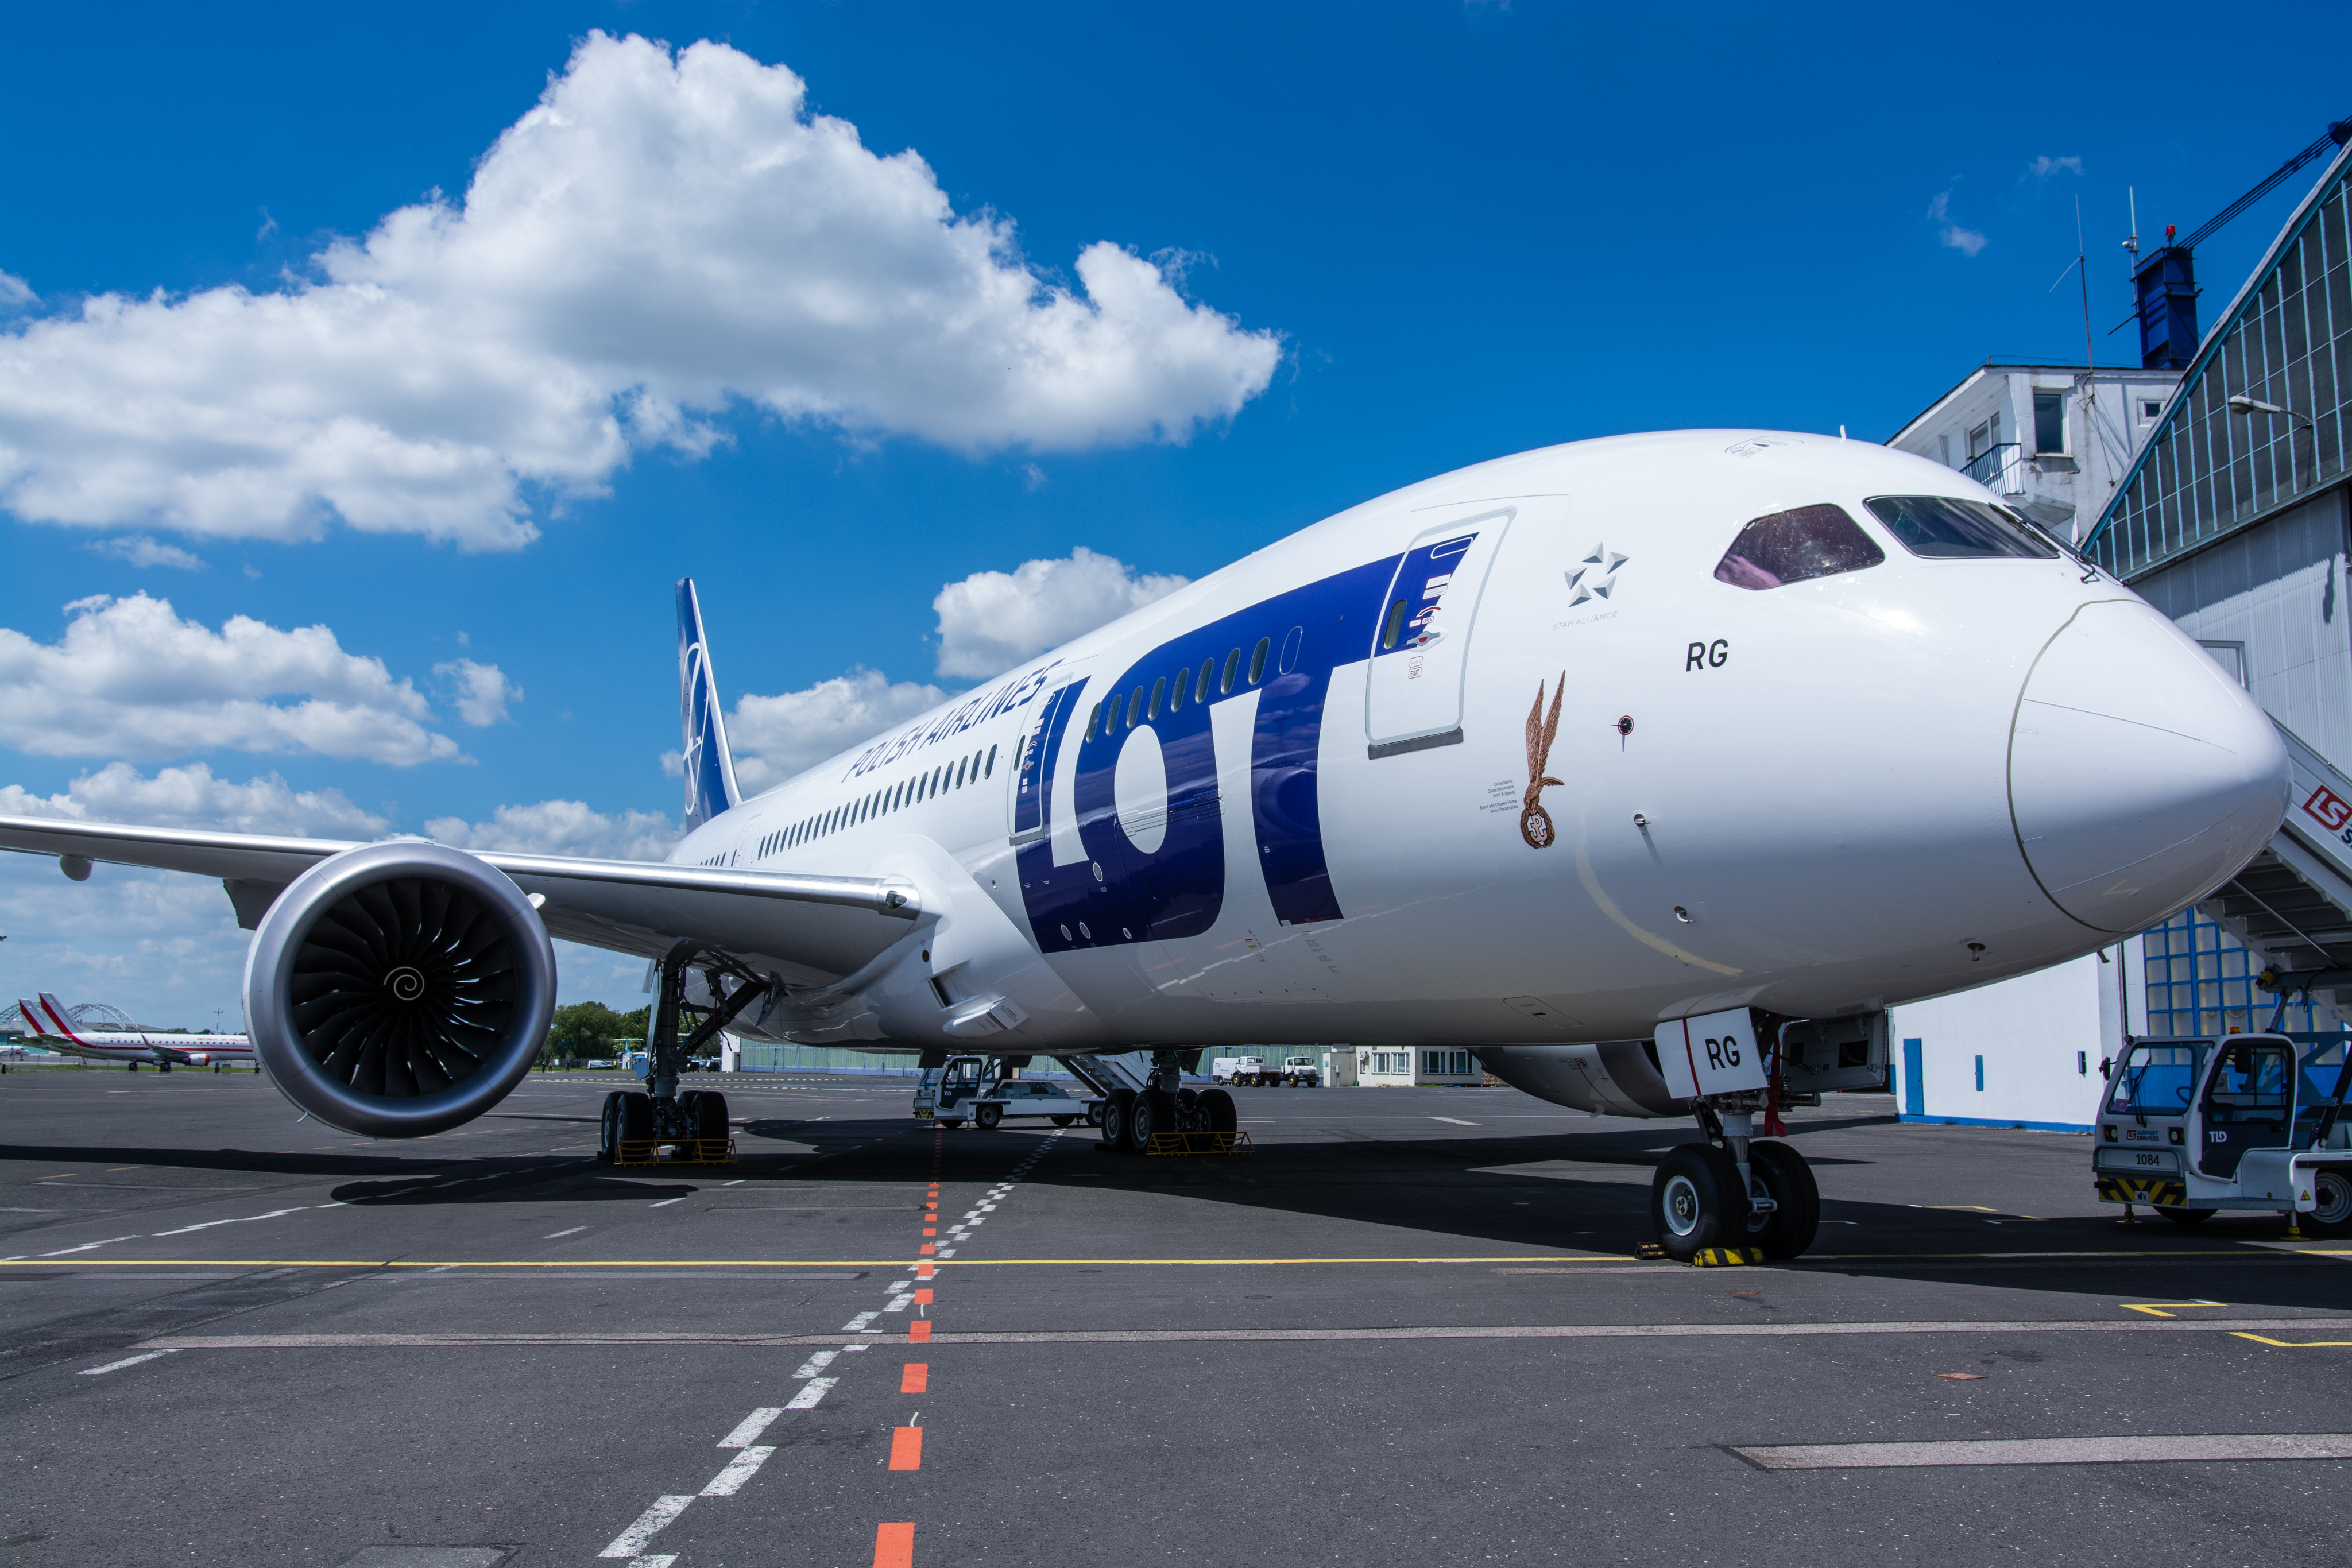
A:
(1064, 1120)
(1114, 1108)
(1696, 1202)
(2332, 1186)
(2186, 1216)
(636, 1116)
(1219, 1106)
(608, 1128)
(1796, 1216)
(1147, 1114)
(710, 1114)
(985, 1117)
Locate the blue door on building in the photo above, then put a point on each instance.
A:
(1915, 1098)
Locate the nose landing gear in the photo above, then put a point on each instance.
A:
(1734, 1190)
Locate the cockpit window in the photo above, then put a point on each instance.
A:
(1945, 528)
(1792, 546)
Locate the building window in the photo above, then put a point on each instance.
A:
(2050, 423)
(2200, 981)
(2150, 407)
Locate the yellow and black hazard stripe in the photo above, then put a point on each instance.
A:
(2132, 1189)
(1726, 1257)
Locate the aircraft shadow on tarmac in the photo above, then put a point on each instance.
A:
(1433, 1196)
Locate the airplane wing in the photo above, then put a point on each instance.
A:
(810, 929)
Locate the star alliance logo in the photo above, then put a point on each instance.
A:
(1596, 577)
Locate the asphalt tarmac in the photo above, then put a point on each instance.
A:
(1410, 1328)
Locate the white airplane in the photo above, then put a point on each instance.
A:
(1622, 764)
(54, 1030)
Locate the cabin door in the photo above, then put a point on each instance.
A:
(1421, 646)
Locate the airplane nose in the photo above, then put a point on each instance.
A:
(2140, 777)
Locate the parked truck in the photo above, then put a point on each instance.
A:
(1251, 1072)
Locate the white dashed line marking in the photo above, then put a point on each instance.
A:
(88, 1246)
(1455, 1120)
(650, 1523)
(857, 1324)
(574, 1231)
(743, 1467)
(819, 1362)
(666, 1202)
(806, 1399)
(747, 1432)
(127, 1361)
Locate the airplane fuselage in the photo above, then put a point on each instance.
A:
(1506, 758)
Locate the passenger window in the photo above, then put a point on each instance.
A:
(1795, 546)
(1094, 722)
(1176, 693)
(1945, 528)
(960, 765)
(1233, 663)
(1257, 659)
(1159, 690)
(1134, 708)
(991, 771)
(1208, 674)
(1393, 627)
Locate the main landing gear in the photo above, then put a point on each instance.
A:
(1130, 1117)
(636, 1125)
(1734, 1190)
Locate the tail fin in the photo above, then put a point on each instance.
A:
(56, 1017)
(32, 1018)
(709, 769)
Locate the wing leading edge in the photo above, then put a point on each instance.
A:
(809, 929)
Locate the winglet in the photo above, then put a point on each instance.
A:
(709, 769)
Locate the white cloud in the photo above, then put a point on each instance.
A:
(141, 550)
(1967, 241)
(561, 827)
(483, 691)
(992, 620)
(16, 291)
(774, 738)
(163, 947)
(2041, 168)
(191, 797)
(132, 679)
(660, 237)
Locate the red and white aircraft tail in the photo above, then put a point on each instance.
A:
(53, 1027)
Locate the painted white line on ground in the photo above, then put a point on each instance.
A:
(857, 1324)
(817, 1362)
(86, 1247)
(126, 1361)
(898, 1302)
(574, 1231)
(1455, 1120)
(665, 1202)
(747, 1431)
(807, 1398)
(650, 1523)
(2217, 1447)
(741, 1469)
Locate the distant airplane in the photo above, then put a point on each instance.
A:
(1608, 764)
(54, 1030)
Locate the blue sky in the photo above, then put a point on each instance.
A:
(1390, 240)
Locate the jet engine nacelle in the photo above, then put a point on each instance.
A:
(399, 990)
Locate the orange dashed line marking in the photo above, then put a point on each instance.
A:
(923, 1270)
(894, 1546)
(915, 1378)
(930, 1247)
(922, 1298)
(906, 1451)
(918, 1332)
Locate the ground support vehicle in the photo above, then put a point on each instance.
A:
(2192, 1127)
(1251, 1072)
(975, 1088)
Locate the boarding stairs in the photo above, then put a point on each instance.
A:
(2292, 902)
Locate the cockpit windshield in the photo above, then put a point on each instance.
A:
(1795, 546)
(1945, 528)
(2157, 1079)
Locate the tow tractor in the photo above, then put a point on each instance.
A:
(2192, 1127)
(981, 1088)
